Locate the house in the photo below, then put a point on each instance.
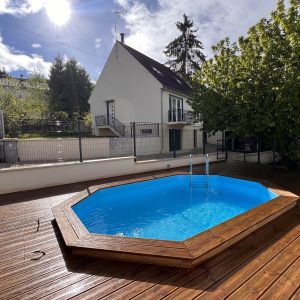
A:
(135, 88)
(20, 87)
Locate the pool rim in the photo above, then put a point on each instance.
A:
(187, 253)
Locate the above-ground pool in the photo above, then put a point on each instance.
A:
(171, 208)
(171, 220)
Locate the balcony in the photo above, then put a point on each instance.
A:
(181, 116)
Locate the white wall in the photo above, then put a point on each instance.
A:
(212, 139)
(62, 149)
(67, 149)
(135, 91)
(187, 137)
(27, 178)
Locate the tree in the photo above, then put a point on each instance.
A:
(70, 87)
(56, 90)
(252, 86)
(38, 94)
(185, 51)
(16, 111)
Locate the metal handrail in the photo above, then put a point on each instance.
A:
(112, 121)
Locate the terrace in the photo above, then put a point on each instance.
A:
(35, 263)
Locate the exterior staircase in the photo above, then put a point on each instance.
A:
(112, 123)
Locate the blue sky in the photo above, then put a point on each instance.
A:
(29, 39)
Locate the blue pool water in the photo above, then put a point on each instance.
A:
(169, 208)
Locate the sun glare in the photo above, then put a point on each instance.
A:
(58, 11)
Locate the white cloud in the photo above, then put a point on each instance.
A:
(36, 45)
(20, 7)
(151, 30)
(13, 61)
(98, 43)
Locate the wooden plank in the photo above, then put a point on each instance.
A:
(52, 286)
(164, 260)
(248, 218)
(8, 283)
(136, 241)
(87, 271)
(30, 266)
(245, 248)
(66, 229)
(32, 241)
(25, 233)
(104, 284)
(129, 248)
(49, 275)
(141, 283)
(286, 285)
(238, 267)
(260, 282)
(24, 257)
(233, 280)
(222, 237)
(296, 295)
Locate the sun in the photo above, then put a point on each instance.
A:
(58, 11)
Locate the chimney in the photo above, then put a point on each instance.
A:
(122, 38)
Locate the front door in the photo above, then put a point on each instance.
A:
(110, 106)
(175, 139)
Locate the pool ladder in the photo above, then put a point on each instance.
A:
(191, 169)
(206, 170)
(206, 164)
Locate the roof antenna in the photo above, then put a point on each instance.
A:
(117, 13)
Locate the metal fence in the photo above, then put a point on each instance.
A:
(46, 127)
(245, 148)
(50, 141)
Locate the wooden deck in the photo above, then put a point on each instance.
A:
(264, 265)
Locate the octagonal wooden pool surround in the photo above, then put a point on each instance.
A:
(185, 254)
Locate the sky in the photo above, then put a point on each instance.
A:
(32, 33)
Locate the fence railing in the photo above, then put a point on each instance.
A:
(45, 126)
(143, 129)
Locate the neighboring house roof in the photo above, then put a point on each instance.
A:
(164, 75)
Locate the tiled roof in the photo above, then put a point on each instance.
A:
(163, 74)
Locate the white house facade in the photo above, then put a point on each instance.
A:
(135, 88)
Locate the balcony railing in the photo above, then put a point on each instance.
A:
(181, 115)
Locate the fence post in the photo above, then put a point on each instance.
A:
(134, 141)
(2, 133)
(274, 148)
(203, 140)
(244, 150)
(174, 141)
(80, 142)
(258, 149)
(226, 150)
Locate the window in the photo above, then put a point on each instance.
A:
(175, 109)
